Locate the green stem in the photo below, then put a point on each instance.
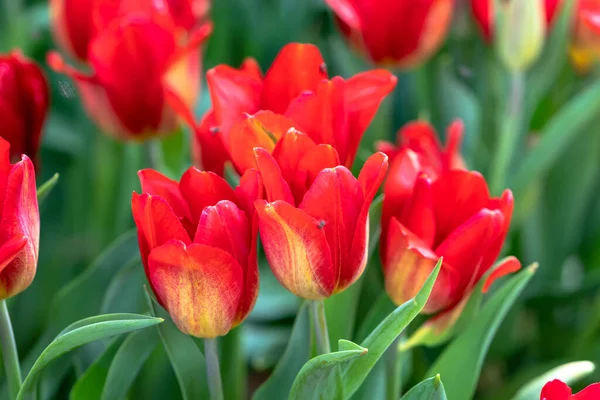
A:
(317, 309)
(9, 352)
(423, 92)
(393, 372)
(509, 132)
(215, 386)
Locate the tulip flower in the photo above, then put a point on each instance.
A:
(434, 209)
(198, 240)
(76, 22)
(24, 102)
(335, 112)
(143, 77)
(314, 222)
(585, 41)
(558, 390)
(485, 16)
(403, 33)
(19, 224)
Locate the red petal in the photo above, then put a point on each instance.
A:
(345, 11)
(592, 392)
(335, 199)
(276, 188)
(297, 67)
(156, 184)
(297, 249)
(201, 189)
(421, 137)
(506, 266)
(364, 93)
(312, 163)
(457, 196)
(262, 130)
(200, 285)
(418, 215)
(556, 390)
(453, 158)
(233, 93)
(208, 147)
(505, 205)
(250, 189)
(408, 264)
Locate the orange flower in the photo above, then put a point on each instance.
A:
(19, 224)
(198, 241)
(585, 42)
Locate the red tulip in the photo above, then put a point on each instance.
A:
(335, 112)
(198, 241)
(397, 32)
(483, 15)
(314, 224)
(143, 77)
(76, 22)
(557, 390)
(24, 102)
(19, 224)
(430, 210)
(585, 42)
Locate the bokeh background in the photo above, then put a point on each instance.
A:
(89, 260)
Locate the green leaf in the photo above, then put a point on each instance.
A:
(471, 346)
(232, 361)
(174, 150)
(87, 386)
(45, 188)
(186, 358)
(82, 332)
(569, 373)
(127, 363)
(429, 389)
(355, 372)
(320, 377)
(296, 354)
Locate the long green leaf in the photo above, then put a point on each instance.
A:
(45, 188)
(470, 347)
(320, 378)
(429, 389)
(82, 332)
(127, 363)
(296, 354)
(356, 371)
(569, 373)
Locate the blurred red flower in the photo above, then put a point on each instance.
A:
(558, 390)
(585, 41)
(24, 100)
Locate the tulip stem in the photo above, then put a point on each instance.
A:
(215, 386)
(317, 308)
(9, 352)
(509, 132)
(393, 372)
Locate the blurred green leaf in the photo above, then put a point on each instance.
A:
(429, 389)
(296, 354)
(355, 372)
(232, 361)
(174, 148)
(186, 358)
(88, 385)
(82, 332)
(320, 378)
(569, 373)
(470, 347)
(128, 361)
(45, 188)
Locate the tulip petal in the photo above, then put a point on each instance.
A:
(250, 189)
(364, 93)
(556, 390)
(262, 130)
(400, 183)
(297, 67)
(420, 137)
(335, 199)
(208, 146)
(234, 93)
(297, 249)
(15, 272)
(276, 188)
(312, 163)
(592, 392)
(201, 189)
(156, 184)
(457, 196)
(20, 218)
(289, 150)
(200, 286)
(507, 266)
(419, 216)
(408, 264)
(452, 157)
(345, 11)
(505, 205)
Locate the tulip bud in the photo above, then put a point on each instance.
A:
(24, 102)
(198, 240)
(522, 33)
(403, 33)
(19, 225)
(584, 50)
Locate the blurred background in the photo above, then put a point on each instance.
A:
(89, 261)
